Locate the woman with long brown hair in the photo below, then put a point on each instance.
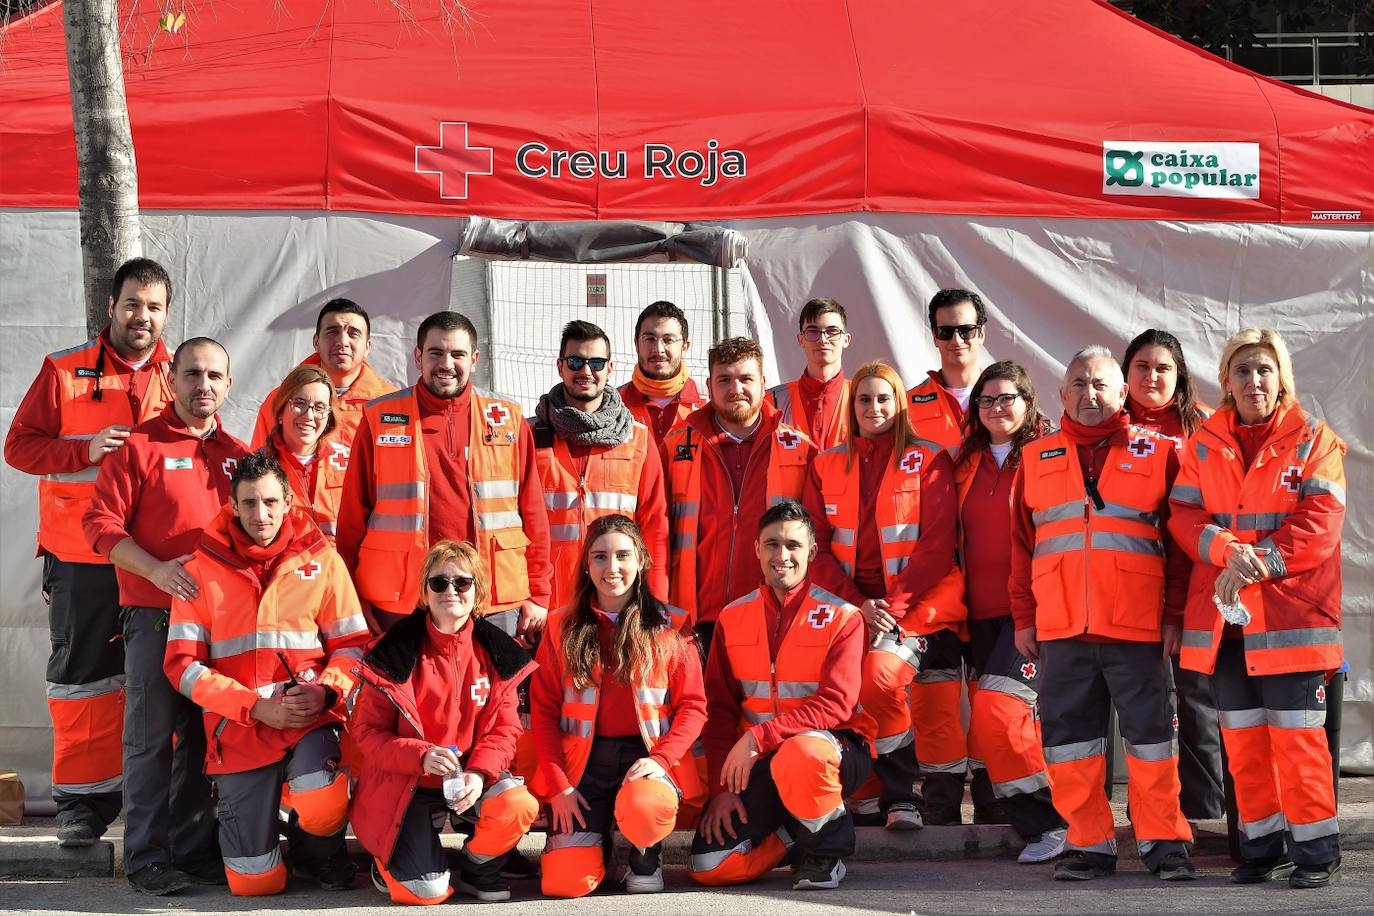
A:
(302, 441)
(615, 707)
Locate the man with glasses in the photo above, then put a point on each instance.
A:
(595, 459)
(815, 403)
(661, 392)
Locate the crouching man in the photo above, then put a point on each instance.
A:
(785, 739)
(266, 647)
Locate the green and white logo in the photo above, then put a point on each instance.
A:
(1220, 170)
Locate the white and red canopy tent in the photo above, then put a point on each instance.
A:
(1089, 175)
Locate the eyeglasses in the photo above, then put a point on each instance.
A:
(814, 334)
(986, 402)
(575, 363)
(966, 331)
(300, 406)
(461, 584)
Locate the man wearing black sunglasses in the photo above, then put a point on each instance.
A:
(815, 403)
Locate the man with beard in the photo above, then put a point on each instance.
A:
(78, 411)
(661, 394)
(728, 463)
(816, 402)
(343, 337)
(443, 461)
(152, 499)
(594, 459)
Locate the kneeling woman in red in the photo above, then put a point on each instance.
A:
(436, 721)
(615, 708)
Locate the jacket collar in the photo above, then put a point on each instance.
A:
(395, 654)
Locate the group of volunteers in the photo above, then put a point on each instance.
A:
(755, 613)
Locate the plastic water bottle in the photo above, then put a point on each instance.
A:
(453, 782)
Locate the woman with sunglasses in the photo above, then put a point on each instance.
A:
(301, 441)
(1003, 418)
(436, 720)
(615, 707)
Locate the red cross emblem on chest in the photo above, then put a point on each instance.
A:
(1028, 670)
(922, 644)
(230, 466)
(788, 439)
(911, 461)
(480, 690)
(1142, 447)
(1292, 478)
(820, 616)
(496, 414)
(1321, 693)
(309, 570)
(338, 458)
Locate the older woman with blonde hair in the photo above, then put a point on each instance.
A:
(1259, 503)
(302, 441)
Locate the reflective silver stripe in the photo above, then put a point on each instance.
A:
(1128, 543)
(346, 626)
(1297, 718)
(1197, 639)
(328, 527)
(894, 566)
(569, 840)
(842, 536)
(847, 567)
(1162, 750)
(565, 533)
(758, 690)
(1304, 833)
(503, 785)
(1026, 785)
(1202, 451)
(427, 886)
(890, 743)
(1258, 521)
(1106, 847)
(756, 717)
(657, 728)
(1242, 718)
(254, 865)
(610, 500)
(407, 489)
(953, 766)
(194, 672)
(492, 521)
(998, 683)
(573, 695)
(265, 639)
(1188, 496)
(1079, 750)
(309, 782)
(1223, 519)
(814, 824)
(796, 690)
(1273, 559)
(496, 489)
(1128, 513)
(347, 652)
(905, 649)
(1315, 486)
(560, 500)
(113, 784)
(682, 540)
(708, 861)
(85, 475)
(581, 728)
(1057, 513)
(1204, 541)
(675, 611)
(893, 534)
(1265, 826)
(1305, 448)
(656, 696)
(1060, 543)
(682, 510)
(939, 676)
(86, 691)
(820, 594)
(395, 521)
(1290, 639)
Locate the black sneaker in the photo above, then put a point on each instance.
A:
(1258, 871)
(488, 888)
(817, 873)
(335, 872)
(74, 834)
(1305, 876)
(159, 880)
(1176, 866)
(207, 872)
(515, 867)
(1080, 865)
(377, 880)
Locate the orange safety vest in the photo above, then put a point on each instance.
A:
(609, 486)
(332, 457)
(898, 507)
(932, 416)
(786, 478)
(786, 397)
(773, 687)
(1295, 621)
(397, 539)
(62, 498)
(348, 407)
(653, 709)
(1097, 571)
(637, 403)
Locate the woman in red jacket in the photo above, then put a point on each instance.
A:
(1259, 503)
(1003, 416)
(302, 442)
(438, 701)
(1160, 397)
(615, 707)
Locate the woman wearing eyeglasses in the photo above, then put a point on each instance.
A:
(615, 707)
(1003, 418)
(303, 408)
(436, 720)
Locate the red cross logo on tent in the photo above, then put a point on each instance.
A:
(911, 461)
(230, 465)
(496, 414)
(480, 690)
(788, 439)
(1142, 447)
(309, 570)
(1292, 478)
(453, 160)
(1321, 693)
(338, 459)
(820, 616)
(1028, 670)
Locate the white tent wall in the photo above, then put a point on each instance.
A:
(256, 280)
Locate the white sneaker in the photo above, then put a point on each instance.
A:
(644, 884)
(902, 816)
(1046, 847)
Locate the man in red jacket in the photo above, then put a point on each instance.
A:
(152, 499)
(79, 410)
(661, 393)
(816, 402)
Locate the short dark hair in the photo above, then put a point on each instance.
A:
(255, 466)
(821, 305)
(445, 321)
(343, 306)
(146, 271)
(661, 309)
(954, 296)
(787, 510)
(580, 332)
(194, 342)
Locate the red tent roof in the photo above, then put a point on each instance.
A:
(621, 109)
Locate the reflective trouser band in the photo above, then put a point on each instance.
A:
(1000, 683)
(1079, 750)
(85, 691)
(1162, 750)
(113, 784)
(1263, 827)
(890, 743)
(254, 865)
(568, 840)
(814, 824)
(954, 766)
(709, 861)
(1106, 847)
(308, 782)
(1305, 833)
(1026, 785)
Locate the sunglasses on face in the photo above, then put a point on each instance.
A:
(966, 331)
(461, 584)
(575, 363)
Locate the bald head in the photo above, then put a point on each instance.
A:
(1094, 389)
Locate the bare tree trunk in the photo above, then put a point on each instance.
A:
(108, 174)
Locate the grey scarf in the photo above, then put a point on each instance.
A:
(610, 426)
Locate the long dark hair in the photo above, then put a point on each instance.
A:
(639, 645)
(1185, 402)
(976, 435)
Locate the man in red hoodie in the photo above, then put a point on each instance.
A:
(816, 402)
(152, 499)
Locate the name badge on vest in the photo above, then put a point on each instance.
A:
(84, 372)
(923, 398)
(176, 464)
(683, 453)
(1052, 452)
(394, 440)
(395, 419)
